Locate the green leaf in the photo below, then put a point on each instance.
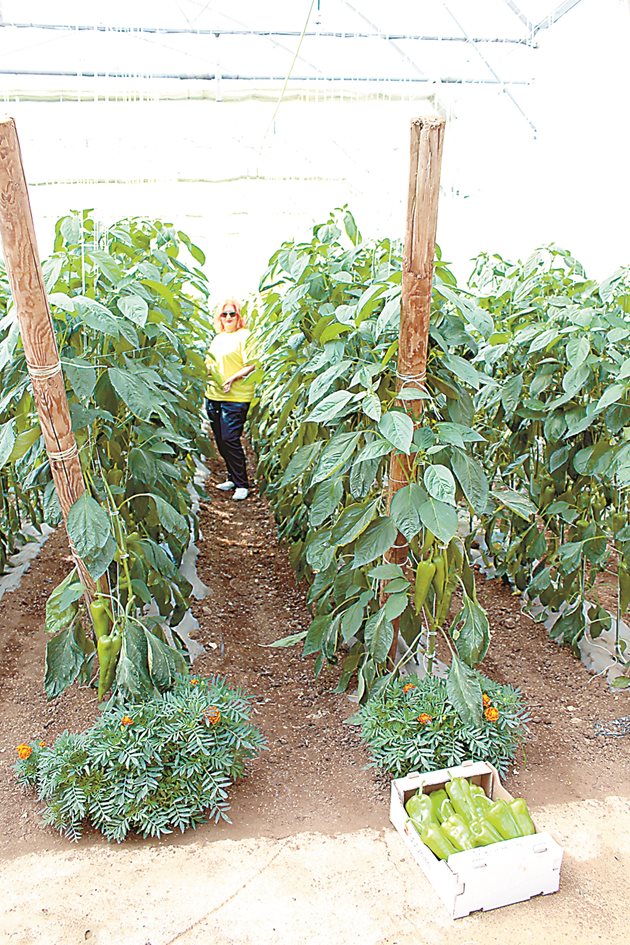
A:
(291, 640)
(335, 454)
(578, 350)
(439, 483)
(464, 692)
(352, 621)
(171, 520)
(353, 521)
(511, 393)
(378, 635)
(300, 461)
(614, 393)
(88, 527)
(575, 379)
(471, 632)
(134, 308)
(7, 441)
(395, 604)
(371, 406)
(62, 606)
(404, 509)
(64, 659)
(440, 519)
(326, 499)
(323, 382)
(515, 501)
(319, 550)
(81, 376)
(132, 671)
(165, 663)
(132, 389)
(397, 427)
(375, 541)
(315, 634)
(330, 407)
(472, 480)
(463, 370)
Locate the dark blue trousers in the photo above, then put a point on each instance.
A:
(227, 420)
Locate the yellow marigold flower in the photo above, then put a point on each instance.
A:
(24, 751)
(194, 682)
(408, 687)
(212, 715)
(43, 744)
(126, 720)
(491, 713)
(486, 699)
(424, 718)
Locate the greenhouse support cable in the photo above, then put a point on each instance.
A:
(291, 67)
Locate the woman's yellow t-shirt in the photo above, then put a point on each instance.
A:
(229, 352)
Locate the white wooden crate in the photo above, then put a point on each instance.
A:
(486, 877)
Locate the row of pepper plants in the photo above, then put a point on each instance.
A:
(326, 420)
(481, 459)
(556, 429)
(129, 307)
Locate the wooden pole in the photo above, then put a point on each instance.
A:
(17, 233)
(427, 135)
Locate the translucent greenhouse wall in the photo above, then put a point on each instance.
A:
(240, 175)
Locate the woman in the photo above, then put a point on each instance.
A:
(229, 393)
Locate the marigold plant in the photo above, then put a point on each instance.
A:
(150, 767)
(395, 726)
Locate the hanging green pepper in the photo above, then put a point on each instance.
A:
(458, 832)
(442, 807)
(439, 577)
(483, 833)
(462, 800)
(108, 648)
(502, 818)
(433, 836)
(101, 619)
(424, 576)
(521, 815)
(420, 809)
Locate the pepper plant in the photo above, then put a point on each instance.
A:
(556, 430)
(325, 421)
(130, 318)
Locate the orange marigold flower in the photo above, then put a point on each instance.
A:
(126, 720)
(24, 751)
(212, 715)
(408, 687)
(491, 713)
(486, 699)
(194, 682)
(43, 744)
(424, 718)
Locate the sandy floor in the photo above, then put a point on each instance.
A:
(361, 887)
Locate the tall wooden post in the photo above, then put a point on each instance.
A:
(17, 233)
(427, 135)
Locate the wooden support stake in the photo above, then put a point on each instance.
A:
(17, 234)
(427, 135)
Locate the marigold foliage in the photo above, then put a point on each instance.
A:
(168, 770)
(415, 728)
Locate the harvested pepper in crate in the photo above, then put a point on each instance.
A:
(442, 807)
(420, 809)
(502, 818)
(461, 798)
(433, 836)
(521, 815)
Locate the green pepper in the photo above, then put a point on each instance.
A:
(439, 577)
(456, 829)
(483, 833)
(101, 619)
(420, 809)
(424, 576)
(521, 815)
(502, 818)
(462, 800)
(108, 648)
(442, 807)
(433, 836)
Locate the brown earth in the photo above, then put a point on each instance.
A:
(314, 776)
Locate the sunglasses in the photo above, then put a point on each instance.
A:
(227, 315)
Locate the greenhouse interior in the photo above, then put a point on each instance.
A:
(314, 472)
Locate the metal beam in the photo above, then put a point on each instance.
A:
(519, 13)
(557, 14)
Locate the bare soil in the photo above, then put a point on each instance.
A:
(314, 776)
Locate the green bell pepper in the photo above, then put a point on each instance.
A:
(462, 800)
(433, 836)
(521, 815)
(483, 833)
(501, 817)
(456, 829)
(442, 807)
(420, 809)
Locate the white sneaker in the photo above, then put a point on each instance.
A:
(225, 486)
(240, 493)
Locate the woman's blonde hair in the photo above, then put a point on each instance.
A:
(240, 321)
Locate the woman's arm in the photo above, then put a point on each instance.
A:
(245, 371)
